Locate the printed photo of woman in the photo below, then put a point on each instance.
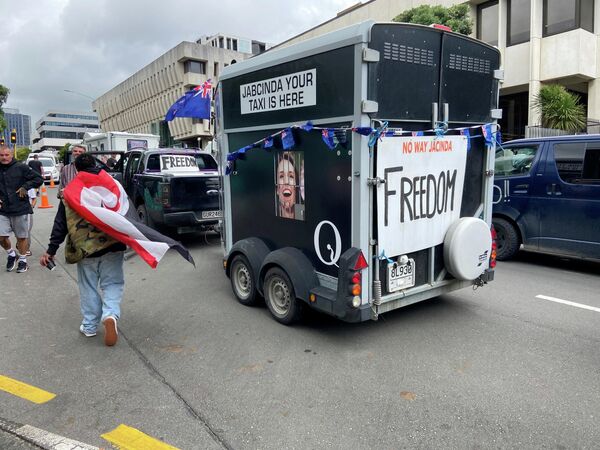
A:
(289, 185)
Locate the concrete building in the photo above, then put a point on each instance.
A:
(57, 128)
(542, 41)
(139, 104)
(20, 122)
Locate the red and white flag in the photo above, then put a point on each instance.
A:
(102, 201)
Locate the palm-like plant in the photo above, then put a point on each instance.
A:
(560, 109)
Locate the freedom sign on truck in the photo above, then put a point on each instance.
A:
(422, 194)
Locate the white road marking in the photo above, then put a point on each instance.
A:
(567, 302)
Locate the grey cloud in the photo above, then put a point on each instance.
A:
(90, 46)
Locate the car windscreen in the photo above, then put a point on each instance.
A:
(46, 162)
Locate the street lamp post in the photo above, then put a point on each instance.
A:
(79, 93)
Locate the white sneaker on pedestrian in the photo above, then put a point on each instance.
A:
(86, 333)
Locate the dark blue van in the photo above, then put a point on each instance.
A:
(547, 196)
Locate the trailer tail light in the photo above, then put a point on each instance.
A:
(355, 287)
(494, 248)
(361, 262)
(165, 194)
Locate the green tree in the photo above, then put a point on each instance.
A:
(62, 152)
(560, 109)
(455, 17)
(21, 153)
(4, 91)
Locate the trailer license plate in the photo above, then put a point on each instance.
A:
(401, 276)
(212, 214)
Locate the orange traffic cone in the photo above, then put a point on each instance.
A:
(45, 203)
(52, 185)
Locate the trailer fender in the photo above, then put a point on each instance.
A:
(255, 250)
(296, 265)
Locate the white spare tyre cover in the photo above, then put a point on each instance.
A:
(467, 248)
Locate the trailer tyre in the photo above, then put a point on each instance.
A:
(507, 239)
(242, 280)
(281, 298)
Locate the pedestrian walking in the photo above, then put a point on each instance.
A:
(36, 164)
(16, 179)
(99, 259)
(68, 172)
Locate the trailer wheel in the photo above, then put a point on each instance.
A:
(507, 239)
(242, 281)
(281, 298)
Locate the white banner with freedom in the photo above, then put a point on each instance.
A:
(422, 194)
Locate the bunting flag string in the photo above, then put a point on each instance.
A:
(332, 137)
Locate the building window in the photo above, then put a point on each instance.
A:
(216, 69)
(487, 22)
(566, 15)
(228, 43)
(234, 42)
(519, 21)
(194, 67)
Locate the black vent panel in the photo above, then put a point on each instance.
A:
(469, 64)
(407, 54)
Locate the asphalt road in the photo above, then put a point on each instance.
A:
(498, 367)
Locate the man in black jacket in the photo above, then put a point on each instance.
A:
(16, 179)
(36, 164)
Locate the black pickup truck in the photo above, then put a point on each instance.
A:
(172, 189)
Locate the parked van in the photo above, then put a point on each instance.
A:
(547, 196)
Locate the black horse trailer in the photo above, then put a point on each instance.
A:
(358, 170)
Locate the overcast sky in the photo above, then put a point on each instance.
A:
(89, 46)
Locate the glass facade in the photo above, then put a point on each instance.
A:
(21, 123)
(72, 116)
(61, 134)
(519, 21)
(487, 22)
(68, 124)
(566, 15)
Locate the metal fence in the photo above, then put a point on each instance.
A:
(536, 131)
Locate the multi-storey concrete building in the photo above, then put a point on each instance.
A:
(542, 41)
(139, 104)
(57, 128)
(20, 122)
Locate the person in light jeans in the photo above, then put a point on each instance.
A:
(99, 259)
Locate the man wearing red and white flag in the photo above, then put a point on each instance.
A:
(99, 223)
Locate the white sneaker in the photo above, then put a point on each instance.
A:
(86, 333)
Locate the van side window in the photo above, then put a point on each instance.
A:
(512, 161)
(569, 161)
(591, 165)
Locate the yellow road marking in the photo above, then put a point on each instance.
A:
(26, 391)
(127, 438)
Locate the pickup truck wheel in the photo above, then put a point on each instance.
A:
(242, 281)
(507, 239)
(142, 213)
(281, 298)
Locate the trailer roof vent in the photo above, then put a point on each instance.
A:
(407, 54)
